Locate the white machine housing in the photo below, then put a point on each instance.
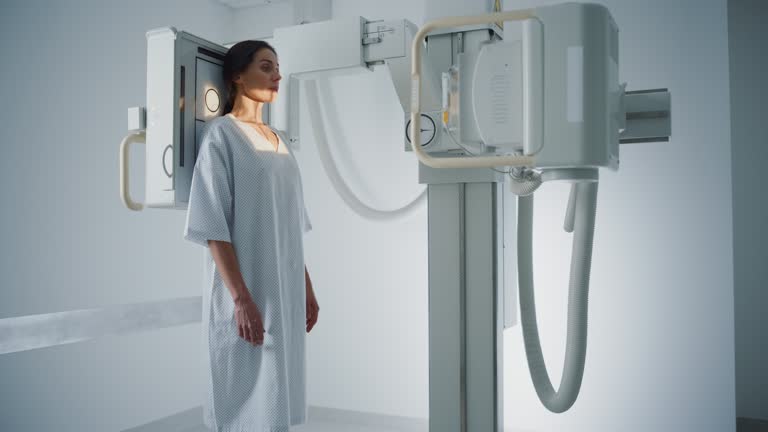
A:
(582, 112)
(548, 88)
(181, 68)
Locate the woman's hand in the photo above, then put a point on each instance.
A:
(312, 308)
(249, 324)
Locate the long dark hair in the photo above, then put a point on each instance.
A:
(236, 61)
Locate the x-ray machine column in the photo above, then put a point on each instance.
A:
(465, 306)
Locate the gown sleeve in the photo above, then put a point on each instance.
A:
(209, 213)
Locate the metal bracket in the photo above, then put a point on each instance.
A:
(648, 116)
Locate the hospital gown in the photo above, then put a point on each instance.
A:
(247, 193)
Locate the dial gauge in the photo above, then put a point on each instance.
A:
(427, 133)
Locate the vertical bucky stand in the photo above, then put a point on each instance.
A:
(465, 302)
(466, 314)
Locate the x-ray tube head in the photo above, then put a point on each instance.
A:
(555, 98)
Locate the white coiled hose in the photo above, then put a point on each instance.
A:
(582, 208)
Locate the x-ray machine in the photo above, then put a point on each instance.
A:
(483, 108)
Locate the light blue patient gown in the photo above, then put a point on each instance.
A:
(247, 193)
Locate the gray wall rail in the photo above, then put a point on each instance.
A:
(45, 330)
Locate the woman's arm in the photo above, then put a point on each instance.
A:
(226, 261)
(247, 315)
(312, 307)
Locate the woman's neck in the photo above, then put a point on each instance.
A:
(248, 110)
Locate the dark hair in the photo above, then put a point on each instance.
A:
(236, 61)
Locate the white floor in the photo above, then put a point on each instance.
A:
(319, 420)
(320, 427)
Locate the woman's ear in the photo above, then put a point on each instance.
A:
(238, 79)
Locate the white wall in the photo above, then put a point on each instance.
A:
(70, 69)
(259, 22)
(749, 91)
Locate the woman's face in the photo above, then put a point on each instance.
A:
(261, 80)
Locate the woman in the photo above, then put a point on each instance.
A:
(246, 206)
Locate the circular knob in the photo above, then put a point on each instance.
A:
(212, 100)
(427, 133)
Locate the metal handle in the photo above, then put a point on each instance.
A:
(138, 138)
